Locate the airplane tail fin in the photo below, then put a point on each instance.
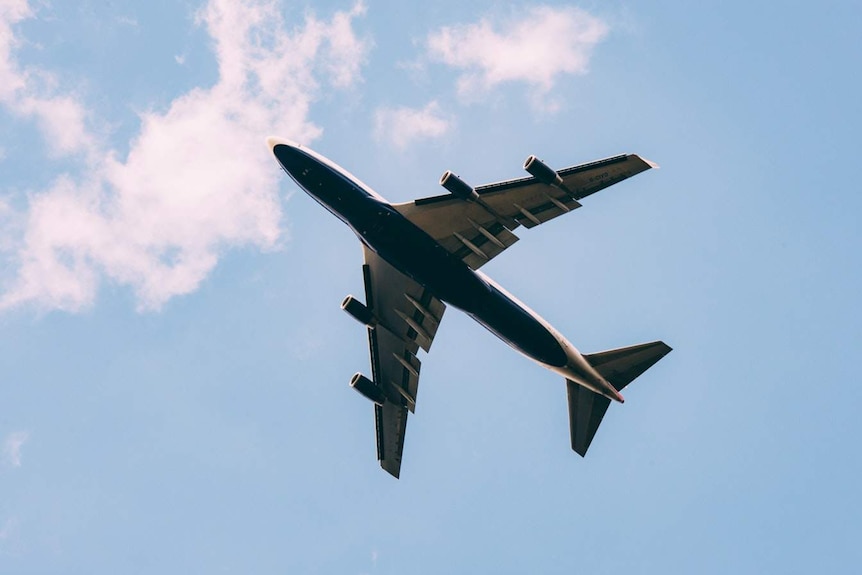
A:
(619, 367)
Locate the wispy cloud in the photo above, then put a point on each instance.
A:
(128, 21)
(10, 538)
(9, 528)
(11, 12)
(534, 48)
(197, 178)
(30, 93)
(12, 445)
(402, 126)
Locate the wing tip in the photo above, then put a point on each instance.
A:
(392, 469)
(579, 449)
(650, 163)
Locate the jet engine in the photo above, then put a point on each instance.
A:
(458, 187)
(358, 311)
(367, 388)
(542, 171)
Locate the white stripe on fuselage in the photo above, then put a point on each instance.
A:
(577, 368)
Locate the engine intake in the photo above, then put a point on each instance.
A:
(542, 171)
(367, 389)
(458, 187)
(358, 311)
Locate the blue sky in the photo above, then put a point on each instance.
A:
(174, 363)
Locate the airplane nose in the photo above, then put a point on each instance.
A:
(289, 155)
(274, 141)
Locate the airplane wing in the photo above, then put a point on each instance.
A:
(407, 319)
(477, 231)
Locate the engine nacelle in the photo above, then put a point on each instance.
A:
(367, 389)
(542, 171)
(458, 187)
(358, 311)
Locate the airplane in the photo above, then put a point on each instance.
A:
(425, 254)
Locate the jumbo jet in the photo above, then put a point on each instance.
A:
(425, 254)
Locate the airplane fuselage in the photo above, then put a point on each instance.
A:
(416, 254)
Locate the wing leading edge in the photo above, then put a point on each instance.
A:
(407, 317)
(477, 230)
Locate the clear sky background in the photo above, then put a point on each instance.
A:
(174, 363)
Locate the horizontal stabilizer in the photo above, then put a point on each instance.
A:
(619, 367)
(586, 410)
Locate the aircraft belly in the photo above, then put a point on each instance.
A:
(422, 259)
(517, 327)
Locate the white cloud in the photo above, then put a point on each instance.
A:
(128, 21)
(535, 47)
(10, 538)
(197, 178)
(27, 93)
(12, 445)
(6, 529)
(401, 126)
(9, 529)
